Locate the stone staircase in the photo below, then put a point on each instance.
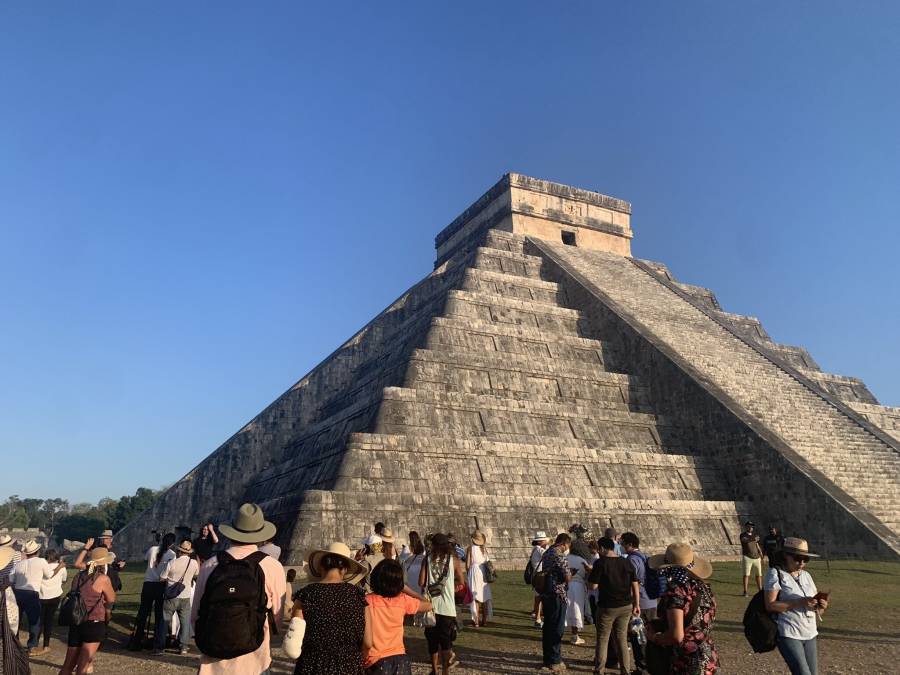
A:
(857, 461)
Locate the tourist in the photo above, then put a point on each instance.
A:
(751, 556)
(27, 576)
(179, 577)
(379, 528)
(581, 545)
(388, 606)
(105, 540)
(439, 572)
(13, 657)
(288, 600)
(459, 550)
(387, 544)
(539, 544)
(685, 611)
(50, 593)
(412, 568)
(272, 549)
(554, 601)
(772, 544)
(153, 594)
(481, 608)
(95, 587)
(212, 614)
(638, 560)
(576, 595)
(337, 629)
(618, 599)
(205, 544)
(370, 555)
(792, 595)
(610, 533)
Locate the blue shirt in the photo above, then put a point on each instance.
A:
(639, 562)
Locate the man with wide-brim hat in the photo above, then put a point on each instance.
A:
(246, 530)
(103, 540)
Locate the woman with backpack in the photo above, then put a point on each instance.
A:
(791, 594)
(97, 594)
(482, 605)
(680, 636)
(334, 609)
(439, 571)
(388, 606)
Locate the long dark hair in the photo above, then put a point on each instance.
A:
(167, 541)
(415, 543)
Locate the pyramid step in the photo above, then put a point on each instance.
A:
(498, 309)
(504, 241)
(552, 380)
(507, 262)
(418, 411)
(507, 285)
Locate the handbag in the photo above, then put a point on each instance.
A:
(177, 588)
(490, 572)
(72, 610)
(436, 588)
(429, 620)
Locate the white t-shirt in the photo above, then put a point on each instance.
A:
(799, 624)
(182, 569)
(536, 554)
(28, 574)
(154, 572)
(53, 587)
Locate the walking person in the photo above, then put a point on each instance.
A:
(95, 587)
(618, 599)
(638, 560)
(388, 605)
(50, 594)
(539, 545)
(153, 594)
(792, 595)
(179, 577)
(556, 574)
(751, 556)
(685, 612)
(334, 609)
(26, 579)
(577, 594)
(482, 608)
(439, 571)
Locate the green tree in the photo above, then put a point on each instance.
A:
(80, 526)
(51, 512)
(129, 507)
(12, 515)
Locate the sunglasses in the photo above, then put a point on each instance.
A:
(801, 559)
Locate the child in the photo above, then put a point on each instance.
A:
(388, 605)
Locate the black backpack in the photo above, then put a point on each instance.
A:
(654, 582)
(232, 615)
(760, 628)
(529, 573)
(72, 610)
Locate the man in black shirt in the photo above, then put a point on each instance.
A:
(619, 599)
(772, 543)
(105, 540)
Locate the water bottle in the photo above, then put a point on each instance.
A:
(637, 629)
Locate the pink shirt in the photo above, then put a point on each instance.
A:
(258, 661)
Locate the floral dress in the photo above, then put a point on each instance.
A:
(696, 655)
(335, 623)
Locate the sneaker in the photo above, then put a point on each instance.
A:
(576, 640)
(558, 667)
(183, 651)
(37, 651)
(538, 624)
(159, 652)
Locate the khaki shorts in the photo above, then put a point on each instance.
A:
(750, 563)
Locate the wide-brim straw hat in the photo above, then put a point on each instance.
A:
(539, 536)
(478, 538)
(186, 547)
(682, 555)
(5, 540)
(354, 568)
(106, 533)
(101, 556)
(387, 535)
(249, 527)
(797, 546)
(31, 547)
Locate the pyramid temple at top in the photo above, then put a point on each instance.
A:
(540, 376)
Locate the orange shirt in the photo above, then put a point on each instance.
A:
(387, 624)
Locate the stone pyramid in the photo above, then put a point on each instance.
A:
(541, 376)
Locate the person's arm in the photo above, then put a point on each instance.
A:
(458, 569)
(776, 606)
(425, 605)
(468, 558)
(411, 593)
(82, 554)
(368, 642)
(675, 633)
(106, 590)
(423, 573)
(635, 598)
(212, 533)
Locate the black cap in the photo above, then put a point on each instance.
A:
(750, 522)
(440, 539)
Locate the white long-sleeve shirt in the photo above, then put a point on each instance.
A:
(28, 574)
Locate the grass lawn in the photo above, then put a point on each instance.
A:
(860, 633)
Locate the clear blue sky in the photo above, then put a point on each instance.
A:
(199, 201)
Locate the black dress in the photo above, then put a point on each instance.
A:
(335, 623)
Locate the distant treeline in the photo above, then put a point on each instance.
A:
(60, 520)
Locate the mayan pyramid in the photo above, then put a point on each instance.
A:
(540, 376)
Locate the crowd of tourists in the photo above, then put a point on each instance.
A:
(228, 593)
